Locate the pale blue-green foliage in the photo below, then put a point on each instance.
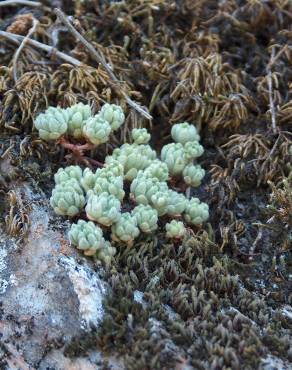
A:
(157, 169)
(114, 168)
(106, 253)
(88, 179)
(184, 132)
(140, 135)
(159, 201)
(52, 124)
(103, 208)
(192, 150)
(78, 114)
(193, 174)
(196, 212)
(133, 158)
(67, 198)
(86, 236)
(113, 114)
(125, 229)
(143, 189)
(97, 130)
(173, 155)
(147, 218)
(175, 229)
(176, 203)
(109, 184)
(68, 173)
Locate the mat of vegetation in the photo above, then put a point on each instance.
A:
(221, 298)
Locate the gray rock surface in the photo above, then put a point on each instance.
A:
(47, 297)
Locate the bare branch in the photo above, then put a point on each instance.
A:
(21, 46)
(270, 87)
(18, 39)
(19, 2)
(100, 59)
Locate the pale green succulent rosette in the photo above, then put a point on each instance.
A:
(192, 150)
(193, 174)
(146, 217)
(78, 114)
(106, 253)
(196, 212)
(97, 130)
(113, 114)
(157, 169)
(88, 179)
(175, 229)
(133, 158)
(176, 203)
(173, 155)
(142, 189)
(113, 169)
(87, 237)
(52, 124)
(159, 201)
(67, 198)
(125, 229)
(140, 136)
(103, 208)
(68, 173)
(111, 185)
(184, 132)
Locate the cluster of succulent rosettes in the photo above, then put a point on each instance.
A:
(78, 122)
(180, 156)
(88, 237)
(102, 192)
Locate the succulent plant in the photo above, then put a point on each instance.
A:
(147, 218)
(88, 179)
(157, 169)
(67, 173)
(97, 130)
(114, 168)
(111, 184)
(106, 253)
(67, 198)
(133, 158)
(52, 124)
(125, 229)
(140, 135)
(103, 208)
(113, 114)
(173, 155)
(192, 150)
(184, 132)
(159, 201)
(142, 189)
(175, 229)
(78, 114)
(176, 203)
(193, 174)
(196, 212)
(86, 236)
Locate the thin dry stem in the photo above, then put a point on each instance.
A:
(18, 39)
(20, 2)
(100, 59)
(270, 86)
(21, 46)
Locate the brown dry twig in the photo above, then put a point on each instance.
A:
(19, 38)
(21, 46)
(100, 59)
(20, 2)
(270, 87)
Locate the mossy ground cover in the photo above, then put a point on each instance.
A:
(215, 300)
